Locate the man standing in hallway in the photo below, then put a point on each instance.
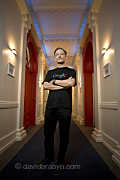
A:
(59, 81)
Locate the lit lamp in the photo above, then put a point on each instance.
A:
(104, 50)
(107, 52)
(14, 51)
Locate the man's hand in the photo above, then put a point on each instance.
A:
(60, 84)
(51, 81)
(50, 86)
(66, 83)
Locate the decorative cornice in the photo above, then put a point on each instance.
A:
(93, 13)
(22, 6)
(58, 9)
(92, 17)
(62, 37)
(46, 5)
(25, 14)
(96, 5)
(26, 17)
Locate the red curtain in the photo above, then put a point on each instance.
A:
(30, 81)
(88, 84)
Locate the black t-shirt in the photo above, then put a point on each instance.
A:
(60, 98)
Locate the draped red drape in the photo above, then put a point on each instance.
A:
(88, 82)
(30, 81)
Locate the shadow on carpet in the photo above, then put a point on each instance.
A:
(82, 159)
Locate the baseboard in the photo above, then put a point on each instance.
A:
(109, 142)
(97, 135)
(116, 157)
(113, 146)
(20, 134)
(7, 141)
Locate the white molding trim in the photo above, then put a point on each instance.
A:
(9, 104)
(116, 157)
(20, 134)
(62, 37)
(109, 142)
(60, 8)
(113, 146)
(113, 105)
(22, 6)
(97, 135)
(7, 141)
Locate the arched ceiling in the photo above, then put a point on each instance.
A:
(59, 23)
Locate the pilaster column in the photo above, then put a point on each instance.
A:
(77, 93)
(80, 105)
(75, 90)
(41, 91)
(81, 91)
(37, 119)
(74, 100)
(93, 25)
(25, 25)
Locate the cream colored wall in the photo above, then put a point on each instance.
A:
(109, 35)
(10, 31)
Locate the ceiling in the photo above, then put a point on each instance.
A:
(59, 23)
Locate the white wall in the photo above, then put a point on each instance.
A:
(10, 32)
(109, 34)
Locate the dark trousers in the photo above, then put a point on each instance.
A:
(63, 116)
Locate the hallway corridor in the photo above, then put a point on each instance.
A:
(83, 160)
(70, 50)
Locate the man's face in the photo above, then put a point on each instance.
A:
(60, 56)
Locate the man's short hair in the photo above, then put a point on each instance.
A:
(62, 49)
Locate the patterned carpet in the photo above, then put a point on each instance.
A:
(82, 159)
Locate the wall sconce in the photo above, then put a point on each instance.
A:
(13, 51)
(104, 50)
(107, 52)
